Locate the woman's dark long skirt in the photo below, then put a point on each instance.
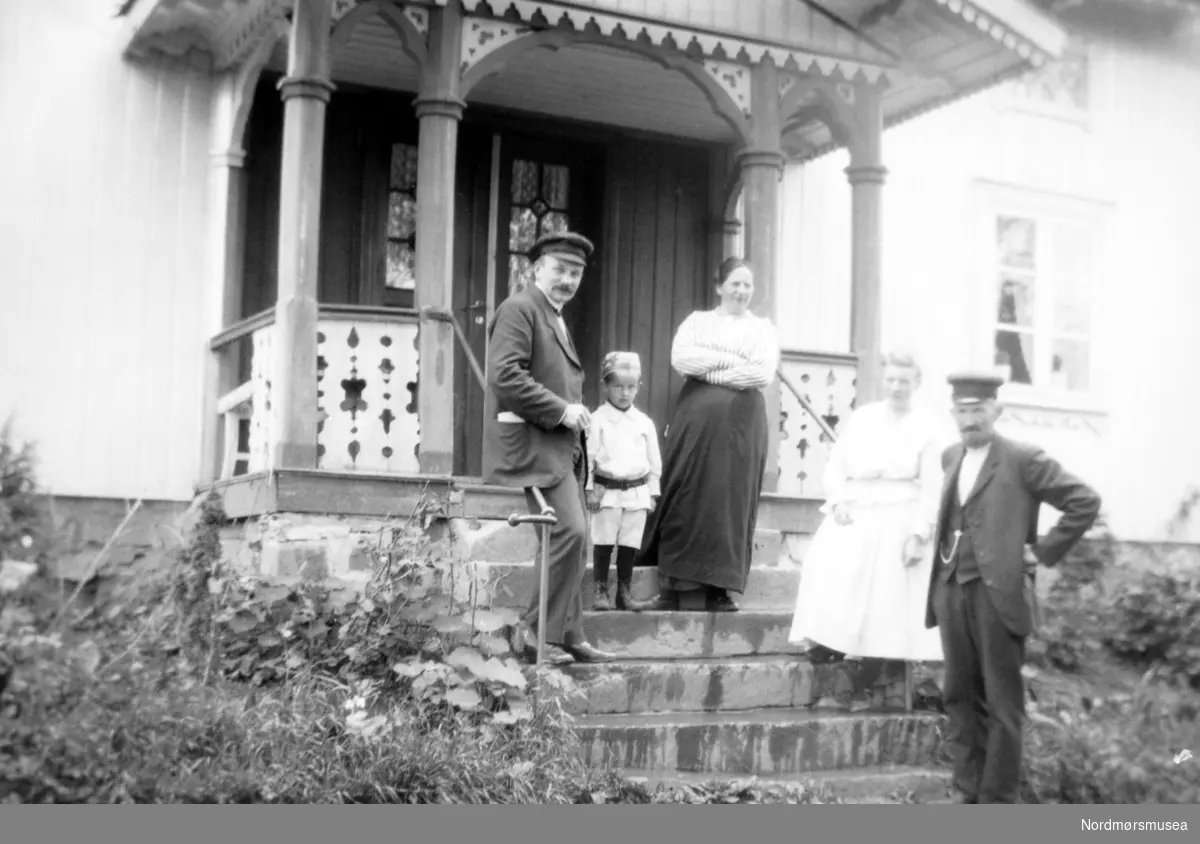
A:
(702, 533)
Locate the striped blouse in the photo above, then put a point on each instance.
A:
(739, 351)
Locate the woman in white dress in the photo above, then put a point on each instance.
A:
(864, 581)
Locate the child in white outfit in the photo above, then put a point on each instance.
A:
(623, 476)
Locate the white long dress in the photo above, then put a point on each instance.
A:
(856, 595)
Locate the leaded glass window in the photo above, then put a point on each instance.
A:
(538, 206)
(402, 218)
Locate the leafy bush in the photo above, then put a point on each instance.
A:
(1118, 748)
(1157, 626)
(217, 688)
(1068, 637)
(24, 523)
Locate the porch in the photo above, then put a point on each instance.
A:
(348, 323)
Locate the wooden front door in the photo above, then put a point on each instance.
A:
(515, 189)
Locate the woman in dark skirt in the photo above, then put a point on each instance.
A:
(702, 533)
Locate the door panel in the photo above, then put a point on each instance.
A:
(658, 269)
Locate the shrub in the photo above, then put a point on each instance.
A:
(25, 532)
(1121, 748)
(1157, 626)
(218, 688)
(1068, 637)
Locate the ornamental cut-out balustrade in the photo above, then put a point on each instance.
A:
(828, 386)
(367, 375)
(366, 396)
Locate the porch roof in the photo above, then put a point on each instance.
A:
(931, 52)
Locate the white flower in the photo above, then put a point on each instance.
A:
(1183, 756)
(26, 541)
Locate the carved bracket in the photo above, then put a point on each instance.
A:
(483, 36)
(734, 79)
(244, 31)
(340, 9)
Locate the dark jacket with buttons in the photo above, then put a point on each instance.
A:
(1001, 516)
(533, 372)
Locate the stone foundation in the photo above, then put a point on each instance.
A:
(82, 527)
(345, 551)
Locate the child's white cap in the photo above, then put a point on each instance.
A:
(623, 362)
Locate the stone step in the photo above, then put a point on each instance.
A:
(690, 635)
(764, 742)
(877, 784)
(498, 542)
(748, 683)
(513, 584)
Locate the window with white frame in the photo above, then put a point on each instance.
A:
(1041, 277)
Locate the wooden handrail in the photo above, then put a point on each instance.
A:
(241, 329)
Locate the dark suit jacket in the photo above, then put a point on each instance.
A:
(534, 373)
(1001, 515)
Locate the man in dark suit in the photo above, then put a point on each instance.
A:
(981, 590)
(534, 429)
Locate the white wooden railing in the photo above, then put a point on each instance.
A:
(366, 390)
(827, 383)
(367, 372)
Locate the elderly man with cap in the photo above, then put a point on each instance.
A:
(535, 426)
(981, 590)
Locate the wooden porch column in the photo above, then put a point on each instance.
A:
(866, 174)
(731, 238)
(226, 183)
(439, 110)
(305, 92)
(761, 164)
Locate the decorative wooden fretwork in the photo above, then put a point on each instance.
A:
(735, 79)
(418, 16)
(1060, 85)
(366, 395)
(260, 416)
(482, 36)
(538, 203)
(827, 383)
(402, 218)
(341, 8)
(998, 31)
(868, 61)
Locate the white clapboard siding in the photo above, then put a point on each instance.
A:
(1132, 158)
(102, 225)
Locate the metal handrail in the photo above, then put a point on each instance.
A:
(543, 521)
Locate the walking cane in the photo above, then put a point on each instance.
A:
(543, 521)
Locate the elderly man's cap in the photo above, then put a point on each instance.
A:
(974, 387)
(568, 246)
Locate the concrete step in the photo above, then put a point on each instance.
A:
(878, 784)
(513, 584)
(690, 635)
(764, 742)
(726, 685)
